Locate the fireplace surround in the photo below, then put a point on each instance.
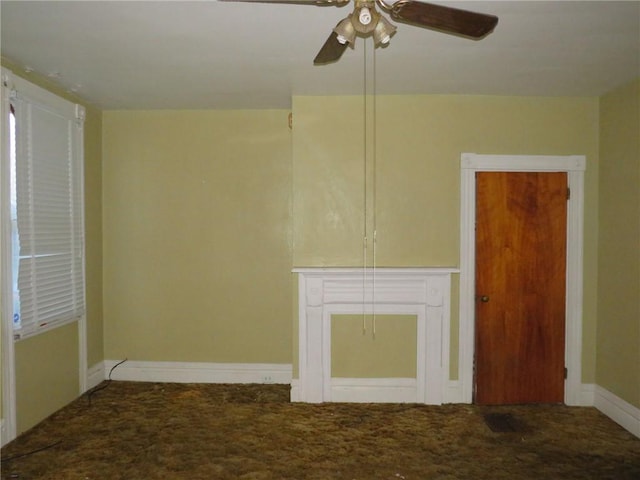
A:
(324, 292)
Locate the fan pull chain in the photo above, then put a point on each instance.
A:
(374, 191)
(364, 286)
(364, 247)
(374, 283)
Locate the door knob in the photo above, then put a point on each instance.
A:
(484, 298)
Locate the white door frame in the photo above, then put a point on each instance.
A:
(574, 166)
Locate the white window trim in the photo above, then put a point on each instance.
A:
(8, 357)
(10, 83)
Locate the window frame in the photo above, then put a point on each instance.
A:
(26, 97)
(44, 194)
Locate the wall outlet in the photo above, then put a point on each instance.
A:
(267, 379)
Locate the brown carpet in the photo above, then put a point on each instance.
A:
(148, 431)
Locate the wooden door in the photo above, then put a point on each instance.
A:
(521, 220)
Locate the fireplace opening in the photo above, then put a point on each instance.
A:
(359, 352)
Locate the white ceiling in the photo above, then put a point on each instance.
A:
(209, 54)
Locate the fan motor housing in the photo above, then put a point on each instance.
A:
(361, 11)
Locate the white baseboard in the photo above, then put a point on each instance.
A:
(586, 397)
(374, 390)
(452, 392)
(295, 390)
(367, 390)
(95, 375)
(192, 372)
(618, 410)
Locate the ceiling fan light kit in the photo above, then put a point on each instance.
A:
(365, 20)
(383, 31)
(345, 31)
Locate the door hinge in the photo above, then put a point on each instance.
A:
(565, 373)
(474, 386)
(568, 193)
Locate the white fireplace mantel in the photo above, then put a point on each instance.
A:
(323, 292)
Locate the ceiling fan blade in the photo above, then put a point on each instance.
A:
(320, 3)
(447, 19)
(331, 51)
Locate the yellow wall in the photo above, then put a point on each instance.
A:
(358, 352)
(197, 242)
(54, 383)
(417, 181)
(41, 391)
(618, 347)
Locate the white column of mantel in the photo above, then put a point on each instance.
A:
(314, 340)
(437, 332)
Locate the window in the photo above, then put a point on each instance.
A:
(45, 211)
(15, 245)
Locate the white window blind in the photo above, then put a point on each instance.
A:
(49, 197)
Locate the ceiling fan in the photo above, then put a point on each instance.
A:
(365, 20)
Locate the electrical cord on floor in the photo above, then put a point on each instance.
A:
(95, 390)
(90, 393)
(20, 455)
